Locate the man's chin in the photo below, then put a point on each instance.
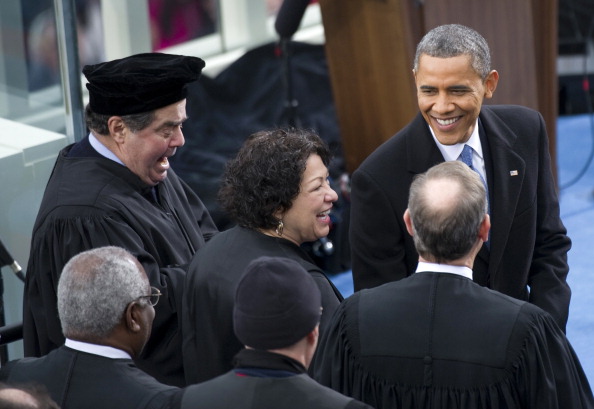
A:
(158, 178)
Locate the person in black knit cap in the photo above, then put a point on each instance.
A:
(276, 315)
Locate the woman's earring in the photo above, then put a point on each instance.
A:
(279, 228)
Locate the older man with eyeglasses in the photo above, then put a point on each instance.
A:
(106, 311)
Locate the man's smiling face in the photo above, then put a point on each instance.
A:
(450, 94)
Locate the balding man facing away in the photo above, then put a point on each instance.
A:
(436, 339)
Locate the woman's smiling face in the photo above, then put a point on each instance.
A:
(308, 219)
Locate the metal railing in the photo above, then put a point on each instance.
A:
(12, 332)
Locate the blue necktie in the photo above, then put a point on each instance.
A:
(466, 157)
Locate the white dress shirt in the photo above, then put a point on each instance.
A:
(102, 149)
(452, 152)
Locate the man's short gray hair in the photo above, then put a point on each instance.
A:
(136, 122)
(447, 234)
(452, 40)
(94, 290)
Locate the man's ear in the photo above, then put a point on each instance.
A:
(484, 228)
(314, 334)
(132, 316)
(491, 83)
(312, 337)
(408, 222)
(117, 129)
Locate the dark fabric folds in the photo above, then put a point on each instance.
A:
(76, 380)
(525, 363)
(209, 343)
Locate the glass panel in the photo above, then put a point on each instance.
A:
(30, 84)
(40, 34)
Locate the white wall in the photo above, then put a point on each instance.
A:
(27, 156)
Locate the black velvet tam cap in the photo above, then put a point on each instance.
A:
(140, 83)
(277, 303)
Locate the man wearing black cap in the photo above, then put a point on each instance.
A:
(276, 315)
(115, 187)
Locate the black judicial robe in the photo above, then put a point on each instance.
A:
(209, 343)
(438, 340)
(79, 380)
(91, 202)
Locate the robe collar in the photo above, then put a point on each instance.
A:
(101, 350)
(424, 266)
(253, 362)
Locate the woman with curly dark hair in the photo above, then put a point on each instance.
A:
(277, 191)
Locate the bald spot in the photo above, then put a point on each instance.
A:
(443, 193)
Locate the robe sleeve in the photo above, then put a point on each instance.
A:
(332, 365)
(207, 319)
(331, 298)
(54, 243)
(204, 220)
(548, 372)
(548, 270)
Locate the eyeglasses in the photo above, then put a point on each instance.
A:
(153, 298)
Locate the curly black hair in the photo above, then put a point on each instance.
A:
(265, 176)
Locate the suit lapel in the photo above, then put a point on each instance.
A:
(504, 180)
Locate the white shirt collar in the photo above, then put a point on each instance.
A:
(101, 350)
(444, 268)
(102, 149)
(452, 152)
